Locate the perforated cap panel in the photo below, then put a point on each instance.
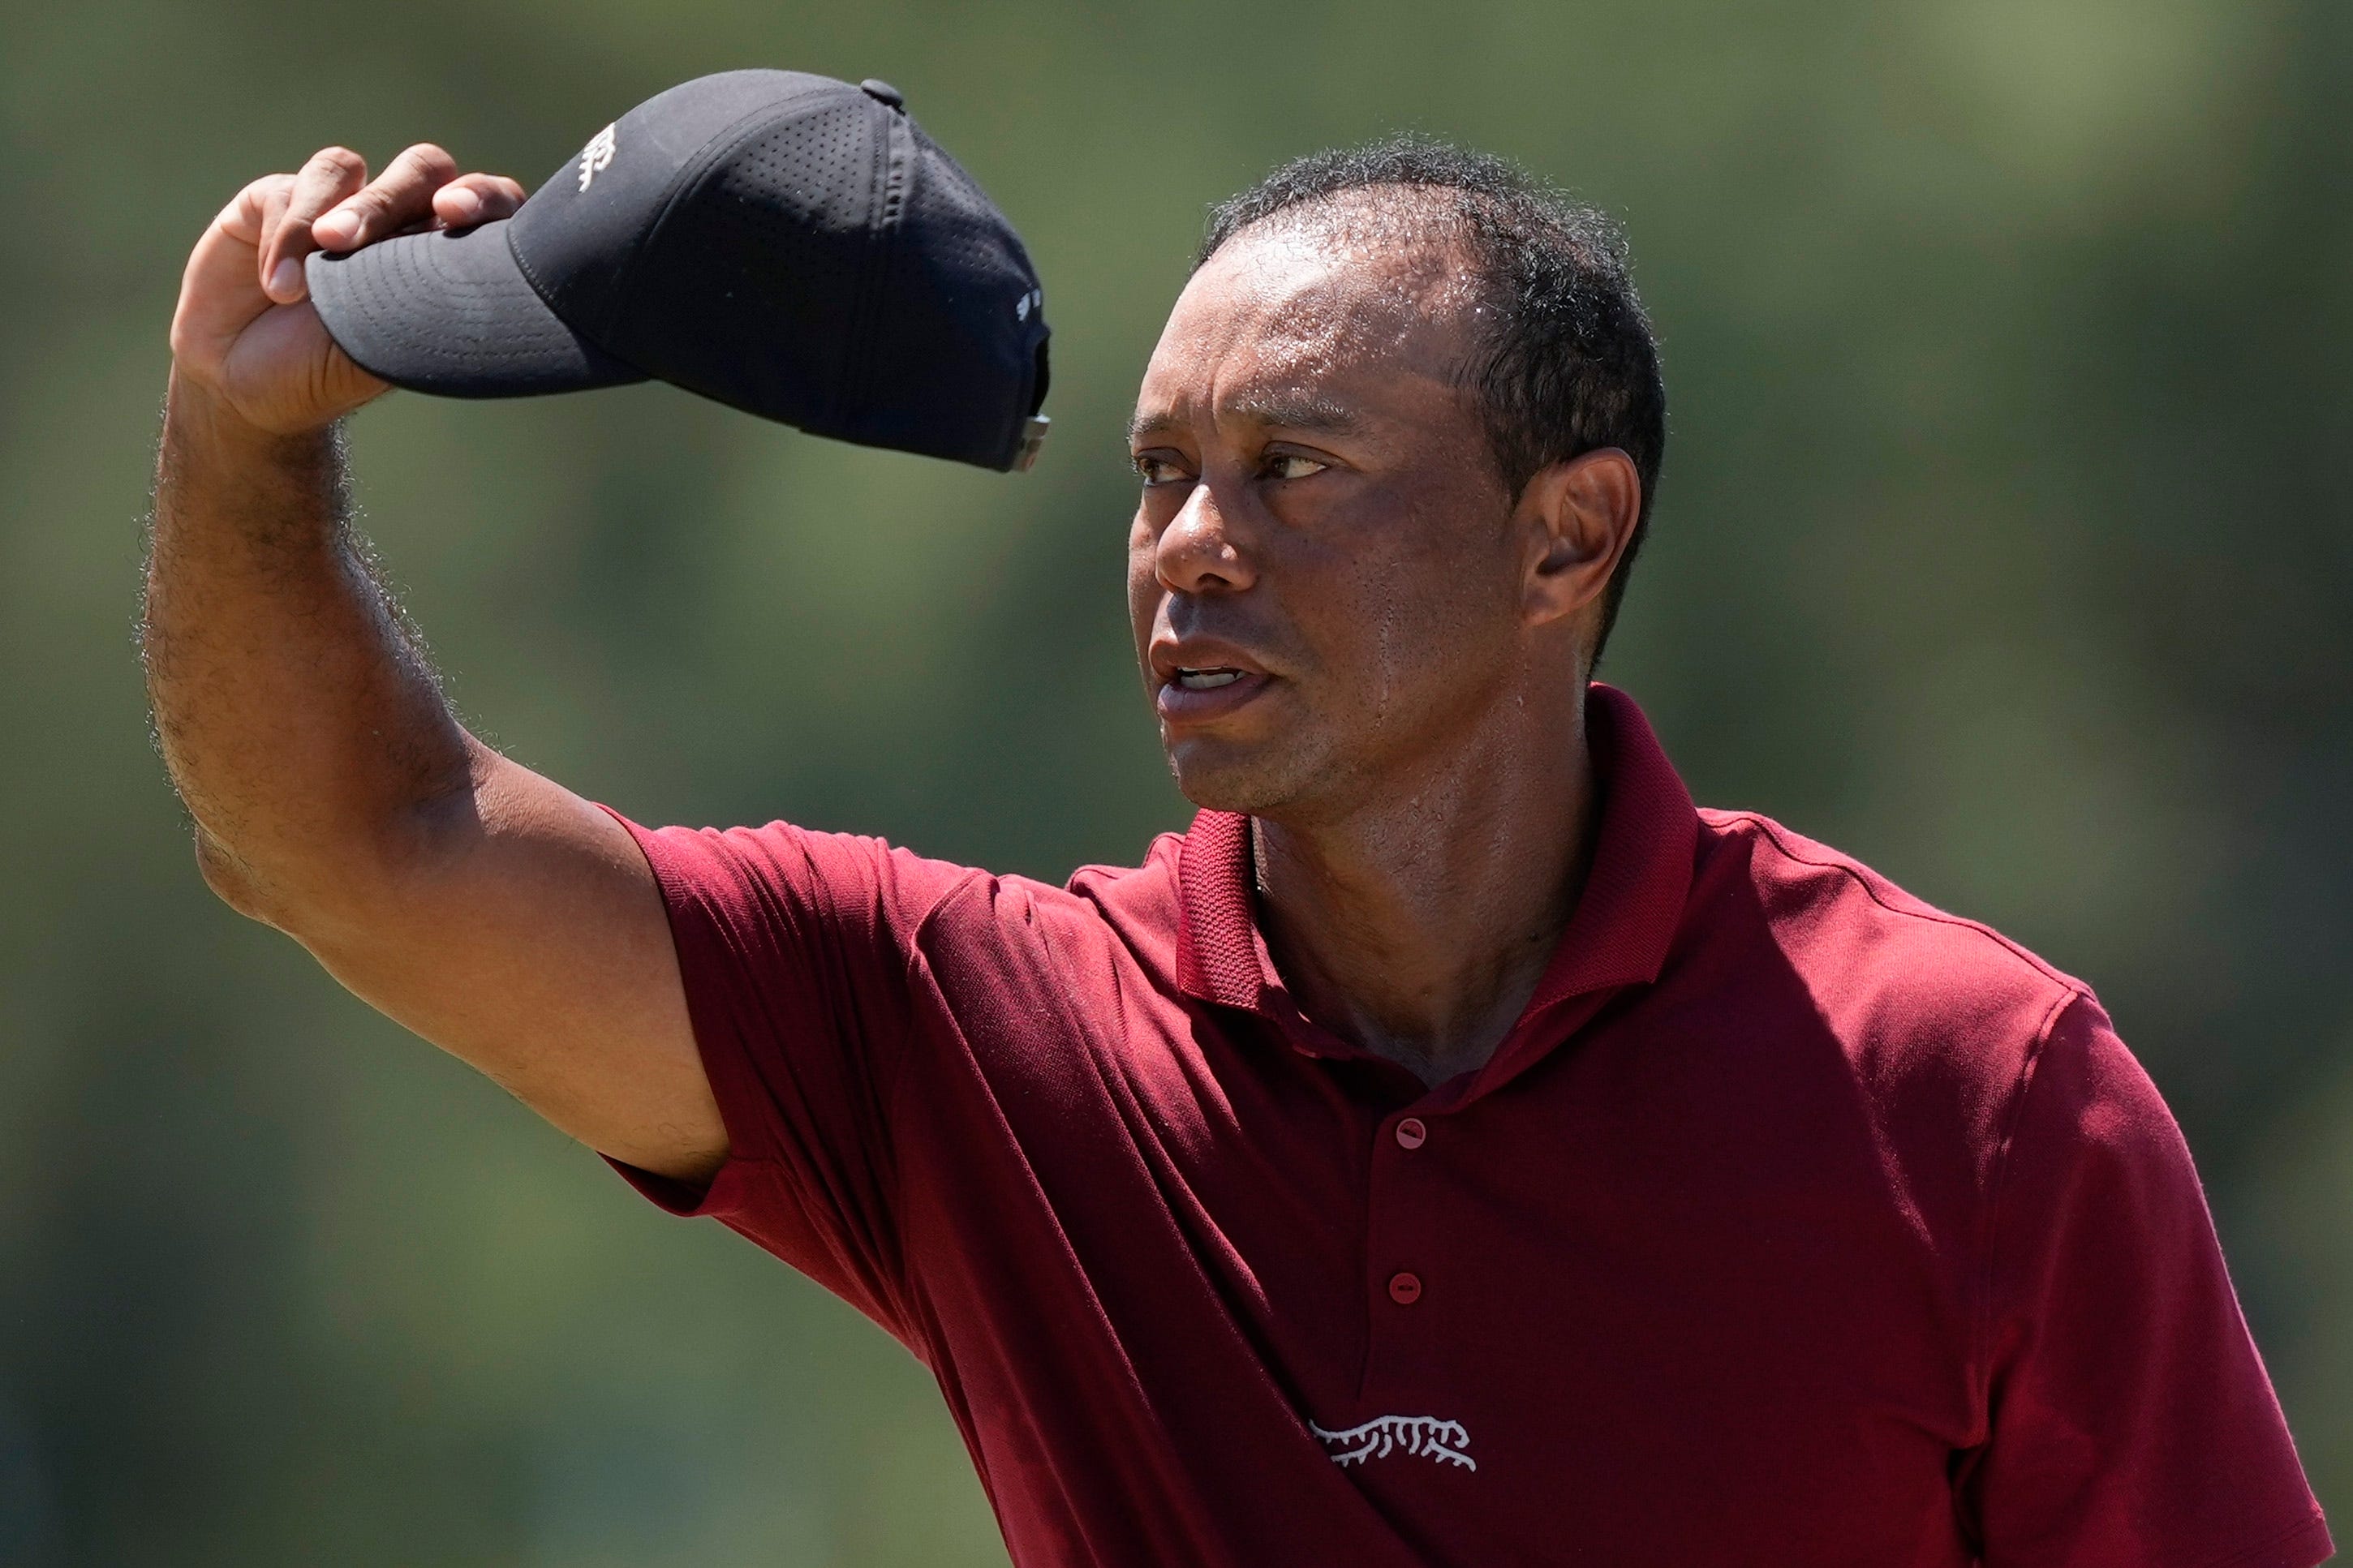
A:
(749, 291)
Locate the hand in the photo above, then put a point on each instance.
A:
(245, 335)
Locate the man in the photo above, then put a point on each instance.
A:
(1455, 1149)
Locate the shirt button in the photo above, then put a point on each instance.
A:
(1411, 1134)
(1405, 1289)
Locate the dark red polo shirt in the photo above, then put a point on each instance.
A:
(1794, 1223)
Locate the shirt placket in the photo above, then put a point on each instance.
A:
(1404, 1268)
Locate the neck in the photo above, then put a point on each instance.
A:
(1418, 922)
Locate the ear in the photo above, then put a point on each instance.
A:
(1578, 518)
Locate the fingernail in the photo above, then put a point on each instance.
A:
(285, 278)
(335, 228)
(465, 204)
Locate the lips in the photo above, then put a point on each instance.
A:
(1197, 680)
(1198, 695)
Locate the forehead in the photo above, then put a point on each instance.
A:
(1316, 305)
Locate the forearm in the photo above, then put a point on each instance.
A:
(297, 713)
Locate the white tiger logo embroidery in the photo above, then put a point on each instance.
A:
(1423, 1437)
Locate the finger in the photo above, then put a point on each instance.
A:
(476, 199)
(270, 206)
(332, 173)
(249, 213)
(401, 195)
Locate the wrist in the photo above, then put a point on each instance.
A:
(197, 414)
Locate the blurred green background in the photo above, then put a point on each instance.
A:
(2004, 542)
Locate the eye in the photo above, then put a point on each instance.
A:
(1292, 466)
(1154, 469)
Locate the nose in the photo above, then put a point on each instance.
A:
(1197, 552)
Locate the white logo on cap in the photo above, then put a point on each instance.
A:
(1033, 300)
(597, 155)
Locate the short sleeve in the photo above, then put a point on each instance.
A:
(2132, 1424)
(796, 948)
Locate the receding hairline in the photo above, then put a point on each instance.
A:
(1429, 237)
(1449, 280)
(1387, 204)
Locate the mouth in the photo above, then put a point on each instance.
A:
(1201, 680)
(1199, 694)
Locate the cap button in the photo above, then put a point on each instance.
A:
(881, 91)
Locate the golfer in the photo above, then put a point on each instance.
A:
(1456, 1148)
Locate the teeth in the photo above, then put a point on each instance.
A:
(1207, 680)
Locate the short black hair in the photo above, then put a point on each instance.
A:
(1570, 364)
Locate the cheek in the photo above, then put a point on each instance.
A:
(1392, 620)
(1415, 626)
(1347, 613)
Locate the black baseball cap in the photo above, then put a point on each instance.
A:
(787, 244)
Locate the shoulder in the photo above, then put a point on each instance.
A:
(782, 878)
(1929, 1008)
(781, 874)
(1959, 1057)
(1141, 901)
(1126, 913)
(1857, 938)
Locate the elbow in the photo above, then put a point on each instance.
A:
(234, 882)
(314, 897)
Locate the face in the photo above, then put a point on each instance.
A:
(1324, 576)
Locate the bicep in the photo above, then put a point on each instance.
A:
(524, 934)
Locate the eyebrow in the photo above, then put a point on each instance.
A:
(1303, 411)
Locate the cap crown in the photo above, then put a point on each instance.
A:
(799, 249)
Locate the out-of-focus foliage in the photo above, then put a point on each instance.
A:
(2004, 541)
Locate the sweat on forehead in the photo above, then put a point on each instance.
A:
(1423, 221)
(1414, 238)
(1283, 328)
(1329, 282)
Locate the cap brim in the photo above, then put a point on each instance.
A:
(450, 312)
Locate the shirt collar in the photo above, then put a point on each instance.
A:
(1625, 921)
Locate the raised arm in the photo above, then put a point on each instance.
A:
(335, 795)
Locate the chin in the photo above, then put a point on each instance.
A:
(1257, 780)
